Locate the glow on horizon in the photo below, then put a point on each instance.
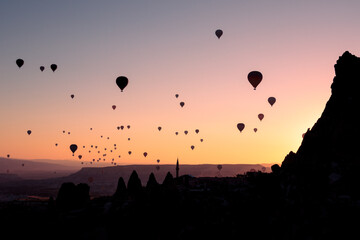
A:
(164, 49)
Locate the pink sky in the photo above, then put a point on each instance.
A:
(167, 48)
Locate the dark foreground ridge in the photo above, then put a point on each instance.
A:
(315, 194)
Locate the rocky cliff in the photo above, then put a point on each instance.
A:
(329, 152)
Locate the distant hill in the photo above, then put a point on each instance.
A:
(103, 180)
(36, 169)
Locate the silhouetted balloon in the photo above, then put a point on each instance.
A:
(271, 100)
(201, 140)
(219, 33)
(145, 154)
(64, 131)
(42, 68)
(28, 132)
(219, 167)
(122, 82)
(90, 129)
(113, 107)
(128, 139)
(128, 126)
(122, 127)
(158, 160)
(176, 95)
(8, 155)
(186, 132)
(197, 131)
(159, 128)
(255, 129)
(73, 148)
(72, 95)
(118, 128)
(53, 67)
(240, 126)
(255, 78)
(192, 147)
(182, 104)
(176, 133)
(261, 116)
(69, 133)
(80, 157)
(22, 164)
(19, 62)
(56, 144)
(129, 152)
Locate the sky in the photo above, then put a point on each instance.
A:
(166, 48)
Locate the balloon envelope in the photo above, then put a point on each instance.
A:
(28, 132)
(113, 107)
(197, 131)
(182, 104)
(42, 68)
(255, 78)
(53, 67)
(19, 62)
(159, 128)
(176, 95)
(255, 129)
(122, 82)
(219, 33)
(219, 167)
(73, 148)
(145, 154)
(192, 147)
(72, 95)
(186, 132)
(271, 100)
(240, 126)
(261, 116)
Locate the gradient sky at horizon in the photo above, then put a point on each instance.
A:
(167, 48)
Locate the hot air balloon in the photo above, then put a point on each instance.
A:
(73, 148)
(128, 126)
(158, 160)
(182, 104)
(80, 157)
(192, 147)
(90, 129)
(197, 131)
(69, 133)
(176, 133)
(118, 128)
(53, 67)
(56, 144)
(219, 33)
(201, 140)
(271, 100)
(240, 126)
(129, 152)
(122, 127)
(28, 132)
(72, 95)
(128, 139)
(261, 116)
(145, 154)
(122, 82)
(63, 131)
(186, 132)
(42, 68)
(176, 95)
(8, 155)
(159, 128)
(19, 62)
(113, 107)
(219, 167)
(255, 129)
(255, 78)
(22, 164)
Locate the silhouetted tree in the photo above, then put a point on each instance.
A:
(152, 183)
(134, 184)
(120, 190)
(275, 169)
(71, 196)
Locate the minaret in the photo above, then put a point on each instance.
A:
(177, 168)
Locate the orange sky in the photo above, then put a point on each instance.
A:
(167, 48)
